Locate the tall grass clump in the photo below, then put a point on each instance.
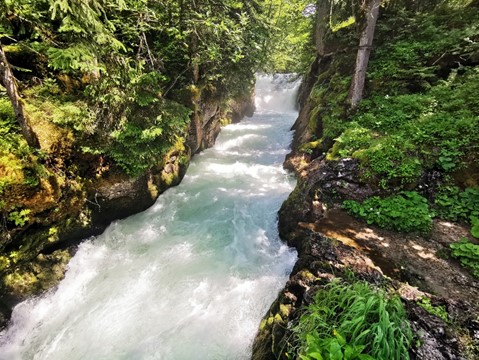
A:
(352, 322)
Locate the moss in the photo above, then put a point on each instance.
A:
(307, 275)
(53, 234)
(20, 282)
(310, 146)
(4, 263)
(225, 121)
(284, 310)
(38, 275)
(169, 178)
(314, 119)
(152, 189)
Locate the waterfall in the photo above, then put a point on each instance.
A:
(189, 278)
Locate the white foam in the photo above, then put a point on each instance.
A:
(189, 278)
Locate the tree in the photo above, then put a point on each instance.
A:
(9, 81)
(371, 12)
(322, 25)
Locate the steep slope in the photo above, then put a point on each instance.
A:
(405, 159)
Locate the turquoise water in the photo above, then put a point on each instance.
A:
(189, 278)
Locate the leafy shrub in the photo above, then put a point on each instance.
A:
(15, 155)
(10, 137)
(413, 118)
(19, 217)
(351, 140)
(453, 204)
(390, 159)
(389, 113)
(475, 226)
(353, 322)
(468, 255)
(141, 142)
(407, 211)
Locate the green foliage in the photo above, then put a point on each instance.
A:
(438, 311)
(475, 227)
(343, 24)
(75, 58)
(353, 322)
(454, 204)
(19, 217)
(397, 137)
(407, 211)
(140, 144)
(289, 44)
(468, 255)
(10, 137)
(420, 113)
(15, 154)
(119, 63)
(390, 161)
(351, 140)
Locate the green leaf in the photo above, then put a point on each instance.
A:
(365, 357)
(335, 352)
(315, 355)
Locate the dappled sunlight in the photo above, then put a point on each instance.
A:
(422, 252)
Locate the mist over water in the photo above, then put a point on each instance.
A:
(189, 278)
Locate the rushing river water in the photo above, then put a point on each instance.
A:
(189, 278)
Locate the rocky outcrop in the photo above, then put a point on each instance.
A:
(208, 117)
(320, 259)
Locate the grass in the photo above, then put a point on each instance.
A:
(353, 321)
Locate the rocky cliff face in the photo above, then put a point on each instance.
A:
(43, 250)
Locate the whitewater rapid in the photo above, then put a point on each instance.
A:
(189, 278)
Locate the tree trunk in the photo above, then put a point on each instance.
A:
(362, 59)
(322, 25)
(10, 84)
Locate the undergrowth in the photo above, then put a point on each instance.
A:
(397, 137)
(438, 311)
(352, 321)
(468, 255)
(407, 211)
(455, 204)
(420, 112)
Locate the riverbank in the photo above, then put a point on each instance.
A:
(37, 254)
(206, 255)
(388, 189)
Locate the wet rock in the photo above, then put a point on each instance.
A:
(321, 183)
(435, 341)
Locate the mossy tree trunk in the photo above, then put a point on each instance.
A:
(9, 81)
(323, 8)
(365, 43)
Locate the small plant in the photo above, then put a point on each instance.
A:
(438, 311)
(353, 139)
(353, 321)
(456, 205)
(407, 212)
(19, 217)
(475, 226)
(468, 255)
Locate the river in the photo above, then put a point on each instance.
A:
(189, 278)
